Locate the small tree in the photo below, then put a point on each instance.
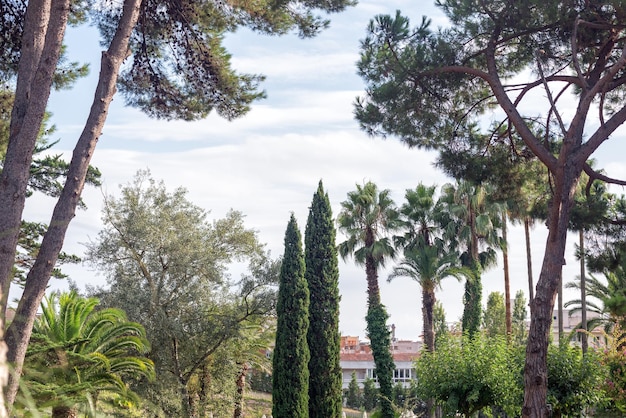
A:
(494, 316)
(471, 374)
(370, 394)
(290, 388)
(575, 380)
(354, 398)
(519, 318)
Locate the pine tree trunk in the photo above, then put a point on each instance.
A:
(541, 307)
(44, 28)
(18, 333)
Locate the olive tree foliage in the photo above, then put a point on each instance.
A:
(532, 60)
(167, 266)
(466, 375)
(175, 68)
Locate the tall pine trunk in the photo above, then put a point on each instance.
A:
(19, 332)
(542, 306)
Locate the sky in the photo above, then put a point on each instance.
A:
(268, 163)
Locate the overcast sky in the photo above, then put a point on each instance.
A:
(268, 163)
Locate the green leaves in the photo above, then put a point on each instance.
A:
(290, 391)
(470, 374)
(78, 351)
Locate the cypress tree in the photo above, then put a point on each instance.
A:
(290, 391)
(322, 275)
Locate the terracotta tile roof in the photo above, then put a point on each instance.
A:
(363, 356)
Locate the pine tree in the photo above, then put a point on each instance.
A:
(322, 275)
(290, 392)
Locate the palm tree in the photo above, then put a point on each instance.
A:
(609, 299)
(250, 353)
(428, 266)
(426, 260)
(78, 352)
(367, 218)
(420, 217)
(472, 225)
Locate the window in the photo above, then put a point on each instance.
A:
(402, 375)
(371, 374)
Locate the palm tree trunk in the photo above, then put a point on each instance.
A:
(373, 290)
(64, 412)
(583, 292)
(507, 278)
(529, 260)
(428, 302)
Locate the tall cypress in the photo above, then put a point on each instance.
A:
(290, 392)
(322, 276)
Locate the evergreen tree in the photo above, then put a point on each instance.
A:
(494, 316)
(322, 276)
(370, 395)
(290, 390)
(354, 398)
(519, 318)
(439, 323)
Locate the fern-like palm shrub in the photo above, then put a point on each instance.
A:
(78, 353)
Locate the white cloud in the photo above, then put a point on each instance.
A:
(268, 163)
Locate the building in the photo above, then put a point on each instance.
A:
(356, 356)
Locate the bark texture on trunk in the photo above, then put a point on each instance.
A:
(19, 332)
(542, 306)
(241, 386)
(428, 303)
(44, 28)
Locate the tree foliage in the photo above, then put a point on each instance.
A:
(166, 265)
(561, 56)
(575, 380)
(354, 397)
(178, 68)
(290, 388)
(494, 315)
(322, 277)
(472, 222)
(79, 352)
(471, 374)
(428, 256)
(368, 217)
(519, 318)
